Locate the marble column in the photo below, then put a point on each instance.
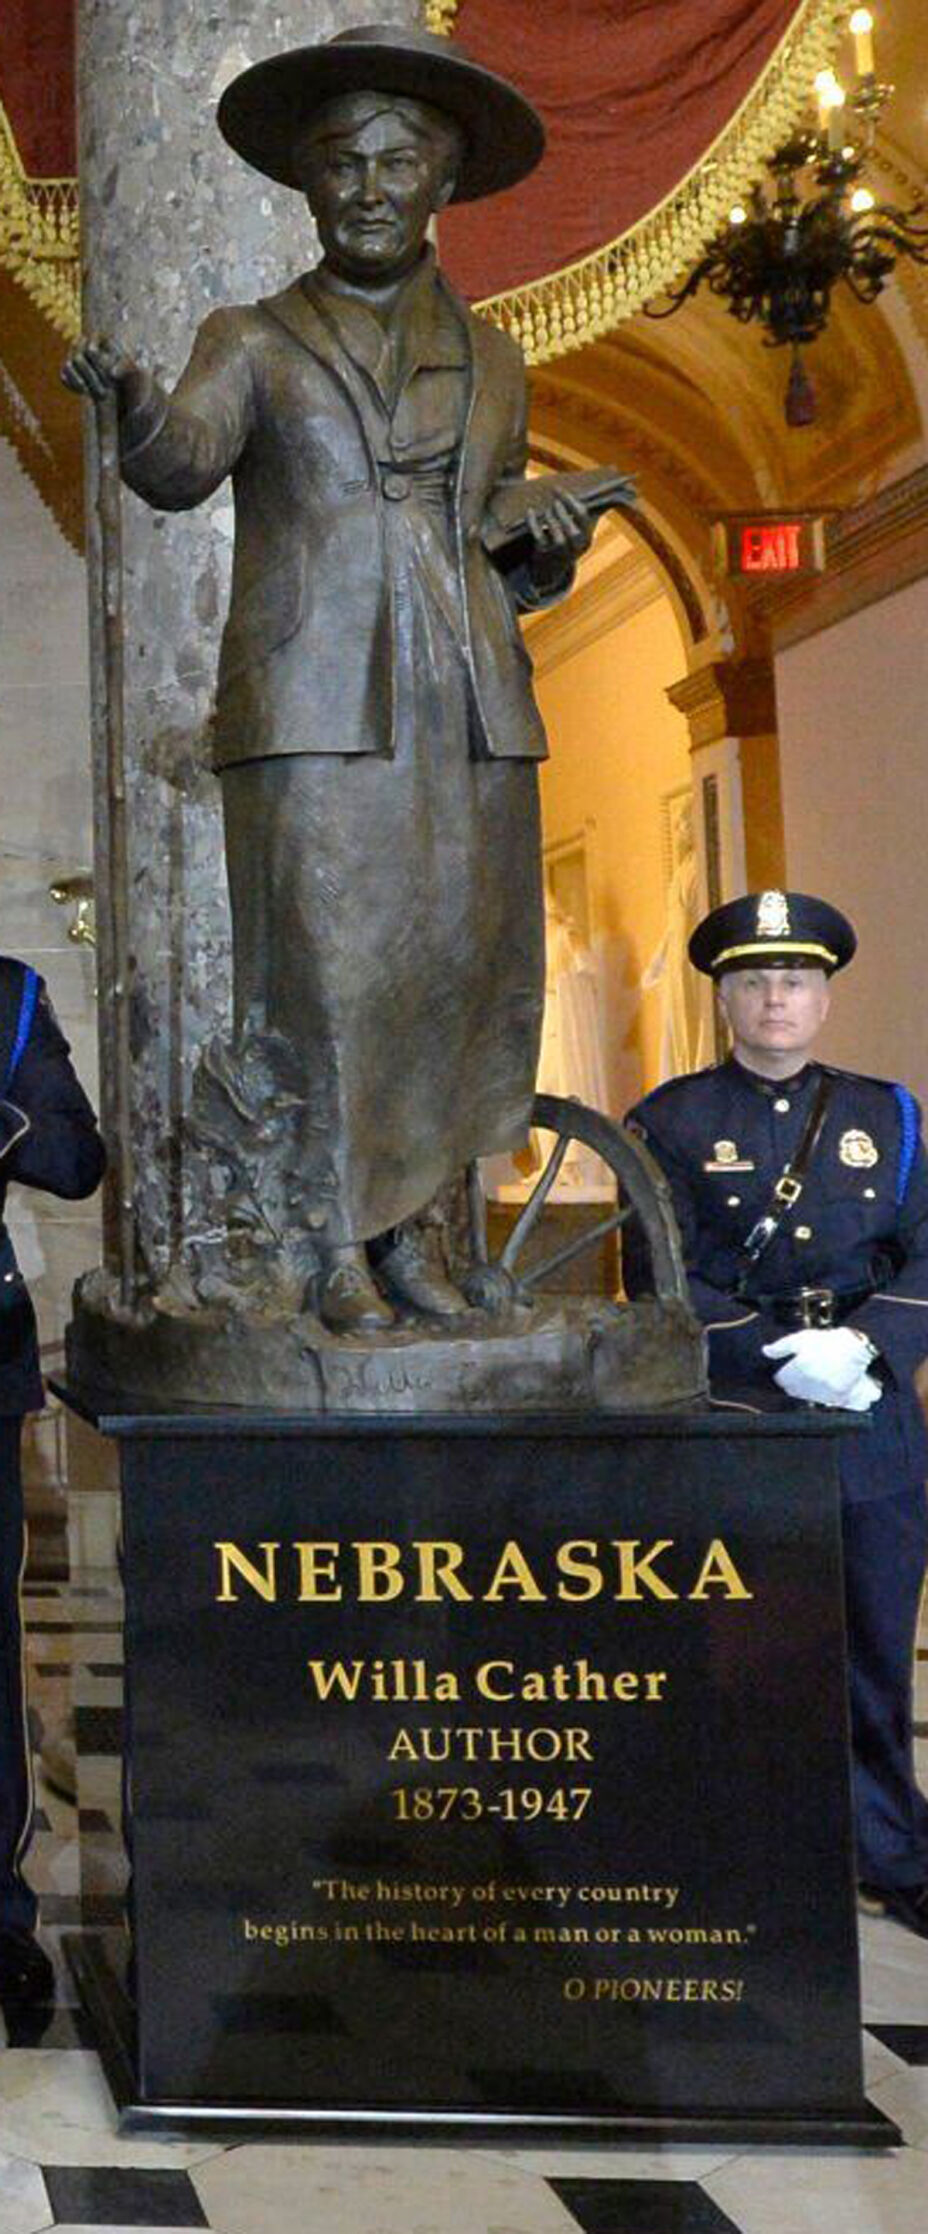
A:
(172, 224)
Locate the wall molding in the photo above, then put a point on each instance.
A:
(38, 416)
(873, 549)
(726, 698)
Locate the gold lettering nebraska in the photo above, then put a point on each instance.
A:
(376, 1571)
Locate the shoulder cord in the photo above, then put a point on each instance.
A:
(908, 1114)
(27, 1007)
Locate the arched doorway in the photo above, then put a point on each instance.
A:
(617, 808)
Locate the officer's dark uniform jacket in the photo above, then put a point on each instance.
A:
(48, 1139)
(859, 1228)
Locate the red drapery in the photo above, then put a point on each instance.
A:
(633, 94)
(37, 83)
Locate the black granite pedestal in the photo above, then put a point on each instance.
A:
(487, 1776)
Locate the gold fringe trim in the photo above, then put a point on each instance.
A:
(582, 301)
(39, 236)
(548, 316)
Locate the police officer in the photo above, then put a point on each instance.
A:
(802, 1197)
(48, 1139)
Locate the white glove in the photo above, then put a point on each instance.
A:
(865, 1392)
(794, 1382)
(826, 1365)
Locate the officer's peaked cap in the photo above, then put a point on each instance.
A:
(772, 930)
(265, 112)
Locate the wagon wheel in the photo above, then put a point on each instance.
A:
(642, 1190)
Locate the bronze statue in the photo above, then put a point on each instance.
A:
(375, 732)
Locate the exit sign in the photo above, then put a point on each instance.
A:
(770, 546)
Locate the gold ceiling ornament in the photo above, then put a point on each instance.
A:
(39, 236)
(440, 15)
(585, 300)
(898, 177)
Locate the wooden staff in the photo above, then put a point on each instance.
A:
(109, 514)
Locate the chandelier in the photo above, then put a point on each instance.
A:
(812, 224)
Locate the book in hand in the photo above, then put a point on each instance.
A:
(506, 535)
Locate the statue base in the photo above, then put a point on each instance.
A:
(562, 1353)
(487, 1776)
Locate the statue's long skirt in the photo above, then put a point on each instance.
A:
(388, 919)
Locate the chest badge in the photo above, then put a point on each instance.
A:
(725, 1157)
(858, 1150)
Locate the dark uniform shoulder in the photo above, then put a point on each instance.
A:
(673, 1090)
(21, 990)
(888, 1088)
(11, 969)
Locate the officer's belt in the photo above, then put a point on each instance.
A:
(804, 1307)
(788, 1187)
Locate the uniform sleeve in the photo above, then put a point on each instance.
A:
(737, 1331)
(896, 1316)
(48, 1132)
(176, 449)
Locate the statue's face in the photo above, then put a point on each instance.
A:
(372, 183)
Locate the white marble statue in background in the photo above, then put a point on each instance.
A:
(683, 1045)
(571, 1064)
(571, 1058)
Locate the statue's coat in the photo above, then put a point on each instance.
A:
(388, 921)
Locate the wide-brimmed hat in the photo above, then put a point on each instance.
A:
(265, 112)
(773, 930)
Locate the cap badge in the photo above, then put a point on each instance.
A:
(858, 1150)
(772, 916)
(726, 1152)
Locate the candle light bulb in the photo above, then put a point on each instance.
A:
(861, 28)
(738, 215)
(827, 91)
(862, 200)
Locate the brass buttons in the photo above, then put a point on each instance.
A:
(781, 1105)
(396, 487)
(869, 1194)
(803, 1233)
(733, 1201)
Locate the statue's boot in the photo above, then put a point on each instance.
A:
(347, 1300)
(404, 1271)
